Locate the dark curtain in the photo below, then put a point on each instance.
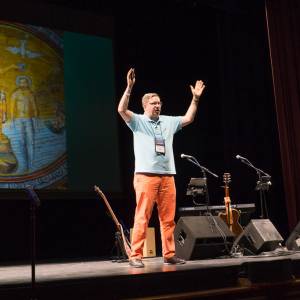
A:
(283, 19)
(237, 111)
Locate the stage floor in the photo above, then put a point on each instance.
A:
(116, 280)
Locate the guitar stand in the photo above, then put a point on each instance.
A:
(121, 253)
(236, 251)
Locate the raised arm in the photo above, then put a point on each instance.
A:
(5, 69)
(123, 110)
(189, 116)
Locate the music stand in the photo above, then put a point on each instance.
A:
(202, 181)
(264, 183)
(197, 186)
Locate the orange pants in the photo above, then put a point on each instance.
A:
(150, 189)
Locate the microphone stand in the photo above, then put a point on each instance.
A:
(34, 203)
(211, 219)
(263, 183)
(203, 170)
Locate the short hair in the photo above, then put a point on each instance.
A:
(147, 97)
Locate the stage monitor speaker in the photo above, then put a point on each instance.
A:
(293, 241)
(200, 237)
(259, 235)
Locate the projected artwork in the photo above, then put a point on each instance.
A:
(32, 117)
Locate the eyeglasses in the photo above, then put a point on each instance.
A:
(156, 103)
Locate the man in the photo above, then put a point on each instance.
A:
(154, 167)
(23, 113)
(3, 101)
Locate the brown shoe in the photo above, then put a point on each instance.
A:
(136, 263)
(174, 260)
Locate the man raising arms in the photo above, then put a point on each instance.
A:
(155, 167)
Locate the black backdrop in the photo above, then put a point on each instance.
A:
(225, 45)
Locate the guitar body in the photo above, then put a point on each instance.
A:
(235, 227)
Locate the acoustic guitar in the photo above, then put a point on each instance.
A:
(231, 215)
(125, 242)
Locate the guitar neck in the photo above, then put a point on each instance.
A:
(108, 207)
(227, 192)
(227, 205)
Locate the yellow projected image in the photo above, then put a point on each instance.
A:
(32, 127)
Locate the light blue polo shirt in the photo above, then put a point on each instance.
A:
(144, 130)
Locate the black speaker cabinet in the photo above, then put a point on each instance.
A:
(293, 241)
(259, 235)
(200, 237)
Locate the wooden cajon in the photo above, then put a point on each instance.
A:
(149, 246)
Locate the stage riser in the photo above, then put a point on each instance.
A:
(259, 279)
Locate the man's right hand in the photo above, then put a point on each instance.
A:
(130, 78)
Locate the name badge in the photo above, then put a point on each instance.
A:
(159, 146)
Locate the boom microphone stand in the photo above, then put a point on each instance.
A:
(212, 221)
(263, 184)
(34, 203)
(204, 170)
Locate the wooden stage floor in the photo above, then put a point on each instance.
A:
(252, 277)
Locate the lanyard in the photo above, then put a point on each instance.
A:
(154, 126)
(159, 142)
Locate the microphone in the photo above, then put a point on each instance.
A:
(186, 156)
(240, 157)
